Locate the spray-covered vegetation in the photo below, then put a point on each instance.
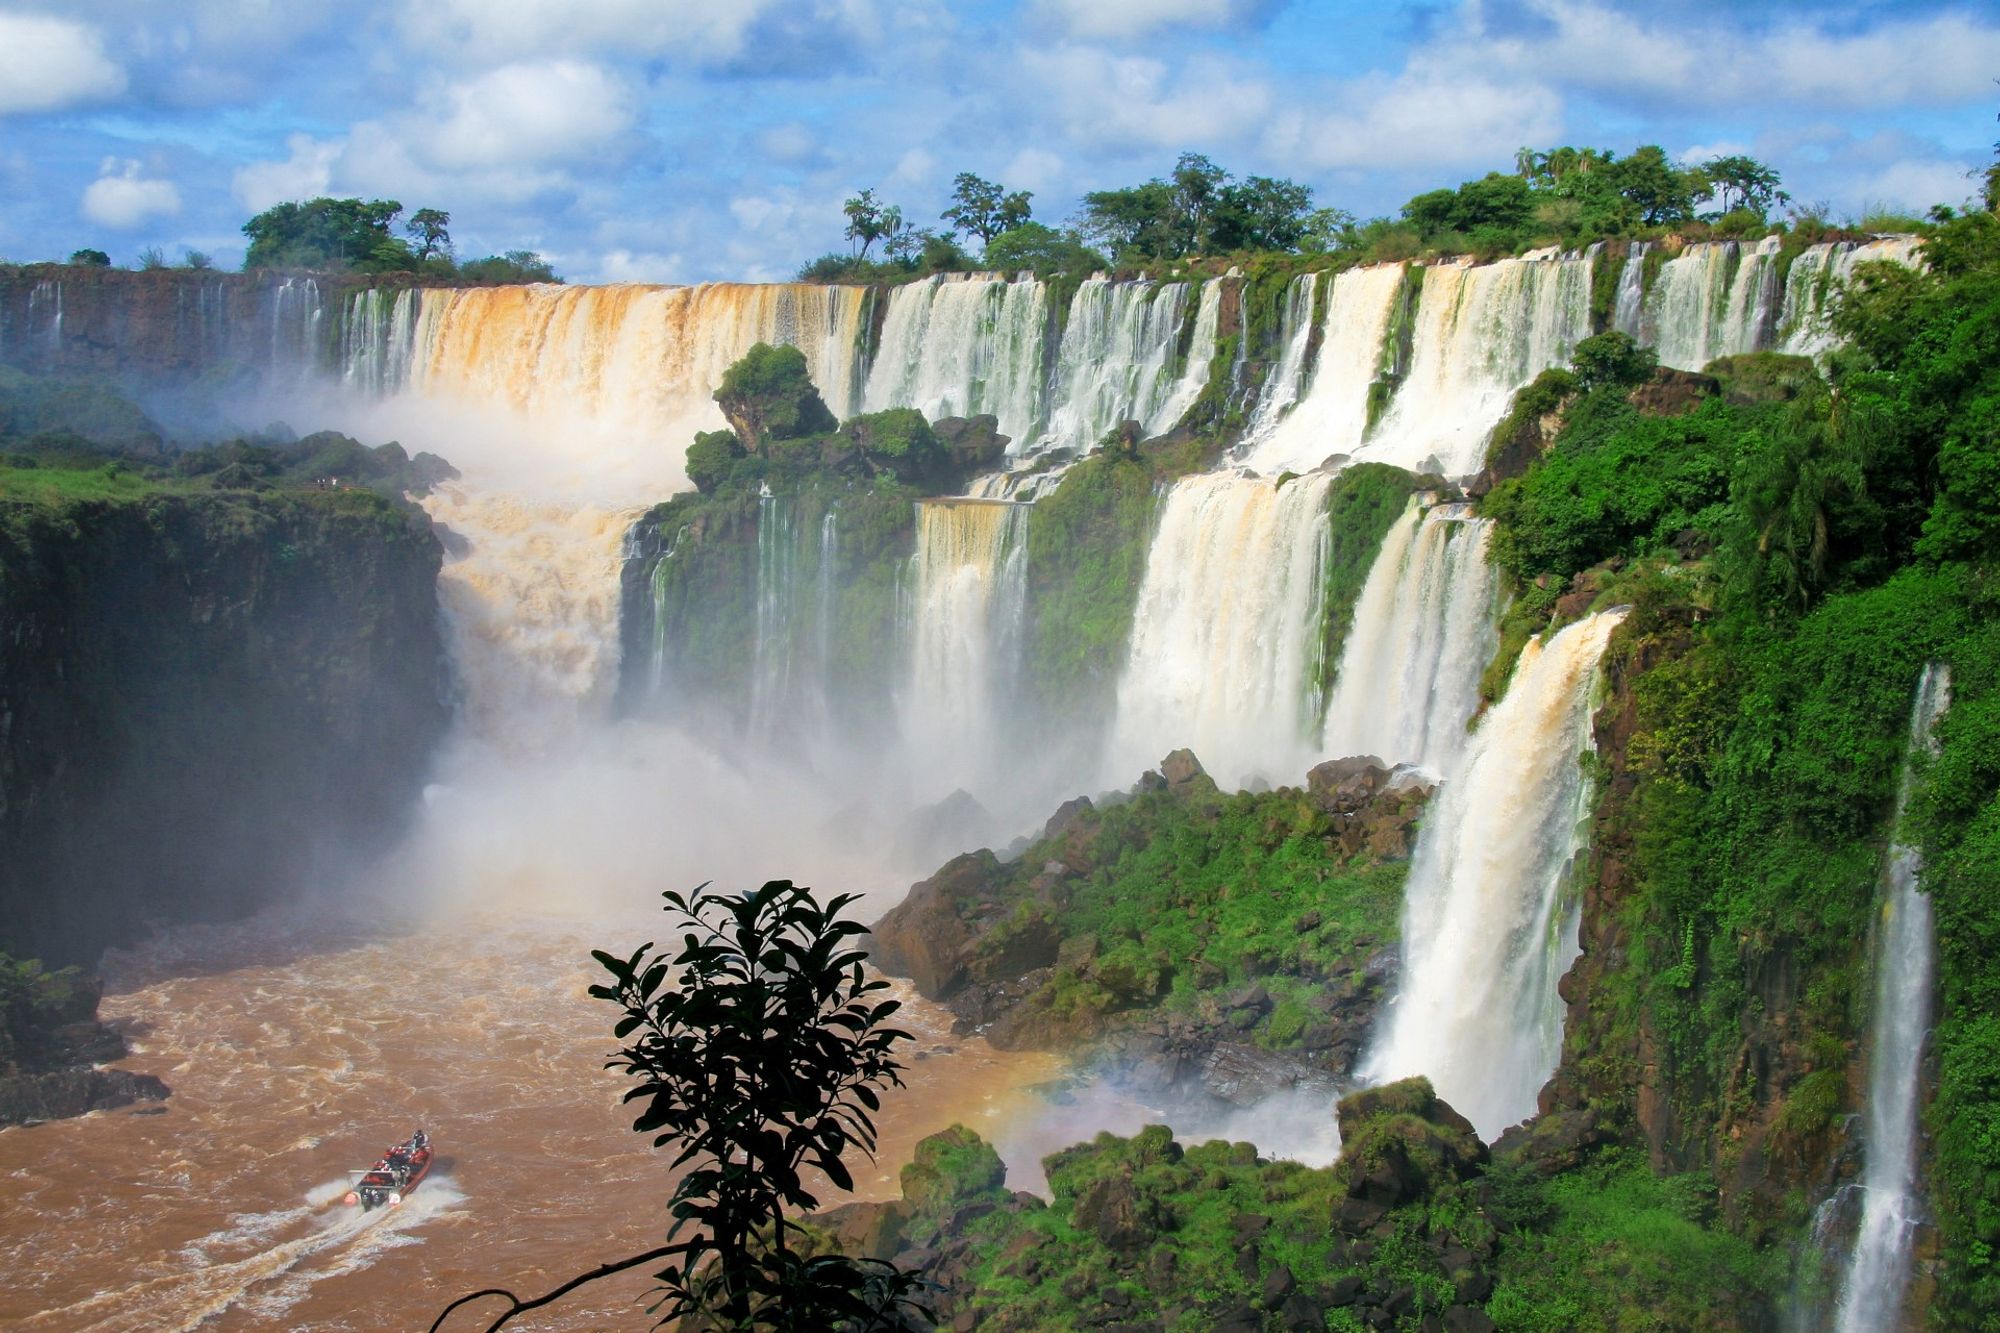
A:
(1087, 543)
(790, 503)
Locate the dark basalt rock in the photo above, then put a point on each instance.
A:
(26, 1099)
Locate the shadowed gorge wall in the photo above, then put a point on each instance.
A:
(203, 700)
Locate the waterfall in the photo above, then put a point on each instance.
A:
(970, 580)
(1489, 919)
(643, 360)
(1629, 310)
(1226, 631)
(1715, 298)
(532, 609)
(1281, 386)
(376, 338)
(1817, 273)
(1423, 630)
(1905, 948)
(1333, 414)
(1117, 361)
(777, 626)
(1482, 331)
(956, 346)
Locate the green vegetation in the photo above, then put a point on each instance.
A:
(764, 490)
(1172, 903)
(1795, 552)
(981, 208)
(1199, 209)
(356, 236)
(64, 441)
(1611, 1245)
(1362, 504)
(1087, 544)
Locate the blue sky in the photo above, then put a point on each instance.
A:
(682, 140)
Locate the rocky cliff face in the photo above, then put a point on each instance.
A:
(205, 700)
(166, 324)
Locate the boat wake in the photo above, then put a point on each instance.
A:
(263, 1263)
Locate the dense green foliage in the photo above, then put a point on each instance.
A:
(357, 236)
(1613, 1246)
(1796, 554)
(983, 209)
(1042, 251)
(1087, 544)
(1199, 209)
(1362, 504)
(1181, 895)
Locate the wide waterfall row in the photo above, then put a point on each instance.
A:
(1404, 364)
(227, 327)
(1725, 298)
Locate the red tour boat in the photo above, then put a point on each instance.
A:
(387, 1183)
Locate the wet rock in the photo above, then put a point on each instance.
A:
(26, 1099)
(1468, 1319)
(1109, 1210)
(1066, 816)
(925, 937)
(1181, 768)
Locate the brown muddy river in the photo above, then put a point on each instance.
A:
(297, 1051)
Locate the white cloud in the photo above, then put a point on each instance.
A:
(484, 32)
(508, 134)
(50, 63)
(642, 266)
(1912, 186)
(122, 199)
(520, 115)
(1935, 60)
(306, 174)
(792, 144)
(1426, 117)
(1137, 101)
(1135, 18)
(1034, 169)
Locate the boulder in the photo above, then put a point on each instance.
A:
(1181, 768)
(1401, 1141)
(925, 937)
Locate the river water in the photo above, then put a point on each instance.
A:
(296, 1047)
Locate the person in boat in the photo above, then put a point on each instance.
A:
(420, 1141)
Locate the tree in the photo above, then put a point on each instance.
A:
(1261, 213)
(1743, 183)
(90, 259)
(427, 227)
(868, 220)
(1657, 190)
(759, 1050)
(1199, 209)
(515, 266)
(1042, 249)
(196, 259)
(984, 209)
(326, 234)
